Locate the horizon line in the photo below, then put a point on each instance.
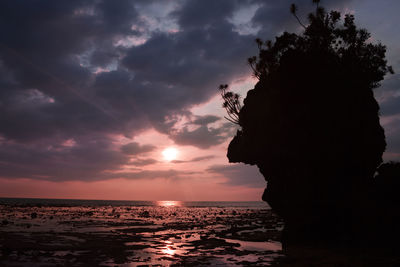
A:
(86, 199)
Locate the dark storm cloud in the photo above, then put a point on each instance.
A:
(273, 16)
(179, 70)
(143, 162)
(135, 148)
(196, 159)
(42, 46)
(87, 70)
(202, 137)
(85, 159)
(391, 106)
(195, 13)
(392, 134)
(204, 120)
(240, 175)
(388, 95)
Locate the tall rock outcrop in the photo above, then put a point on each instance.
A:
(311, 125)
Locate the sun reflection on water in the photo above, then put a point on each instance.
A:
(169, 203)
(169, 249)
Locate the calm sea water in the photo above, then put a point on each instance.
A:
(86, 202)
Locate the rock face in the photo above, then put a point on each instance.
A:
(311, 125)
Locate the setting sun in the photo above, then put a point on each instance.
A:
(170, 153)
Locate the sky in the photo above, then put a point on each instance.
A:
(93, 91)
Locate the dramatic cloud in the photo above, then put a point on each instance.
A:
(389, 94)
(203, 158)
(273, 17)
(135, 148)
(204, 120)
(143, 162)
(240, 175)
(198, 133)
(203, 137)
(83, 159)
(79, 76)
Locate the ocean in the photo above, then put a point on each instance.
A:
(137, 203)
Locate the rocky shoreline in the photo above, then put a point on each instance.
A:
(134, 236)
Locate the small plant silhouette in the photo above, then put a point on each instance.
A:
(231, 104)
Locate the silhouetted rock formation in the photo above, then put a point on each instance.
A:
(385, 193)
(311, 125)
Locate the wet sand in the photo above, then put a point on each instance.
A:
(138, 236)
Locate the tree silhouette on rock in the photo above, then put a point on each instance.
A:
(311, 123)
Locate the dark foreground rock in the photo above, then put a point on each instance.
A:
(311, 125)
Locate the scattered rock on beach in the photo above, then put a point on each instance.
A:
(89, 213)
(144, 214)
(142, 235)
